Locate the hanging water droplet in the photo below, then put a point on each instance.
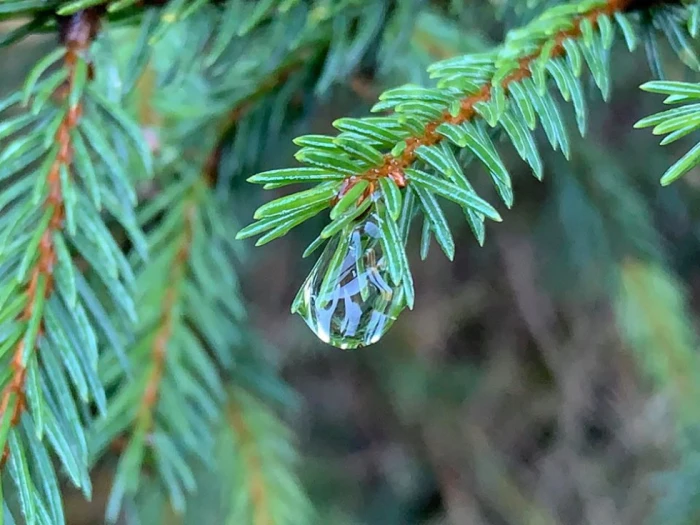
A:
(349, 299)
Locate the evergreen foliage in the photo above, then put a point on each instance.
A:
(123, 330)
(478, 98)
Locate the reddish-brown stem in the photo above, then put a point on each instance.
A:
(395, 166)
(170, 299)
(77, 33)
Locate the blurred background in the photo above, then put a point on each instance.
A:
(549, 377)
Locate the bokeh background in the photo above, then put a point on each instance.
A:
(543, 379)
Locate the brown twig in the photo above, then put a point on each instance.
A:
(77, 32)
(395, 166)
(170, 299)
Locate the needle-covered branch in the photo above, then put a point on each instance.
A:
(190, 309)
(57, 257)
(420, 146)
(189, 312)
(676, 123)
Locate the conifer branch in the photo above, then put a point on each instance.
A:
(58, 256)
(77, 35)
(169, 304)
(198, 306)
(394, 166)
(265, 490)
(139, 438)
(676, 123)
(179, 267)
(478, 97)
(248, 443)
(254, 466)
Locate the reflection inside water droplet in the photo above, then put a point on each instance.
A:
(349, 299)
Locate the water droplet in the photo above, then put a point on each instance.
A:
(349, 299)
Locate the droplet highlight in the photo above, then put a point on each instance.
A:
(349, 300)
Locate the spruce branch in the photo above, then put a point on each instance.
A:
(61, 267)
(264, 490)
(78, 32)
(478, 97)
(676, 123)
(190, 312)
(248, 445)
(394, 166)
(168, 311)
(28, 409)
(252, 478)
